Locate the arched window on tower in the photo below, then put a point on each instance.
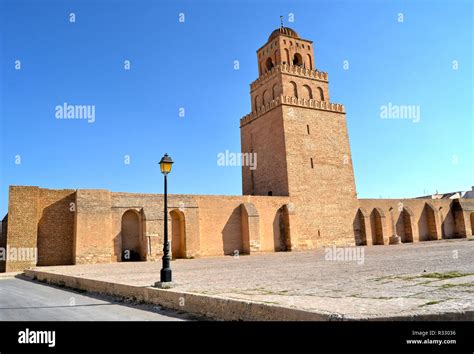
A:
(294, 89)
(266, 97)
(321, 94)
(275, 91)
(287, 56)
(256, 103)
(307, 93)
(269, 64)
(297, 60)
(309, 62)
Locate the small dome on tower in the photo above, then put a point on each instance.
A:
(287, 31)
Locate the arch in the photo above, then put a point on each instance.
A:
(458, 218)
(448, 223)
(284, 243)
(250, 224)
(274, 91)
(131, 237)
(256, 103)
(266, 97)
(359, 229)
(269, 64)
(178, 234)
(471, 217)
(377, 220)
(427, 223)
(294, 89)
(309, 61)
(298, 59)
(287, 56)
(404, 225)
(320, 93)
(307, 93)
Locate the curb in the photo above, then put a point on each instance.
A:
(9, 275)
(213, 307)
(220, 308)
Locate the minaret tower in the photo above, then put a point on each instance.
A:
(300, 139)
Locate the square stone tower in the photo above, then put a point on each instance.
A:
(300, 140)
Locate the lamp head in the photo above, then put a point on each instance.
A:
(165, 164)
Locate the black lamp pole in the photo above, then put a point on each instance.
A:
(165, 274)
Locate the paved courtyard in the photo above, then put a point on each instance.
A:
(408, 279)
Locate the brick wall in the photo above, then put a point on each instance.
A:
(23, 214)
(56, 227)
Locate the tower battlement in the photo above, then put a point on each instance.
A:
(291, 70)
(292, 101)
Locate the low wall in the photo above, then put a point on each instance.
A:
(413, 220)
(214, 307)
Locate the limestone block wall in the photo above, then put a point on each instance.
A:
(89, 226)
(413, 220)
(225, 230)
(94, 238)
(207, 225)
(40, 220)
(3, 241)
(467, 206)
(23, 212)
(56, 226)
(150, 207)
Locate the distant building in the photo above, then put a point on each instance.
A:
(451, 195)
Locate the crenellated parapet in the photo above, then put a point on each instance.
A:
(292, 70)
(292, 101)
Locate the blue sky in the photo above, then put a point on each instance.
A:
(190, 65)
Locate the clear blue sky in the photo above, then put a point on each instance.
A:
(191, 65)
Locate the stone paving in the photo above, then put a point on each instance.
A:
(397, 280)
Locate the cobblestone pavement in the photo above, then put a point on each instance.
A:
(422, 278)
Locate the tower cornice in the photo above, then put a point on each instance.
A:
(292, 101)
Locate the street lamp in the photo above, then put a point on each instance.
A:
(165, 274)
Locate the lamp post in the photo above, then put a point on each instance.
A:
(165, 274)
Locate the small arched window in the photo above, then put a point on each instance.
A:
(321, 93)
(266, 97)
(269, 64)
(307, 93)
(287, 56)
(309, 62)
(256, 103)
(297, 60)
(275, 91)
(294, 89)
